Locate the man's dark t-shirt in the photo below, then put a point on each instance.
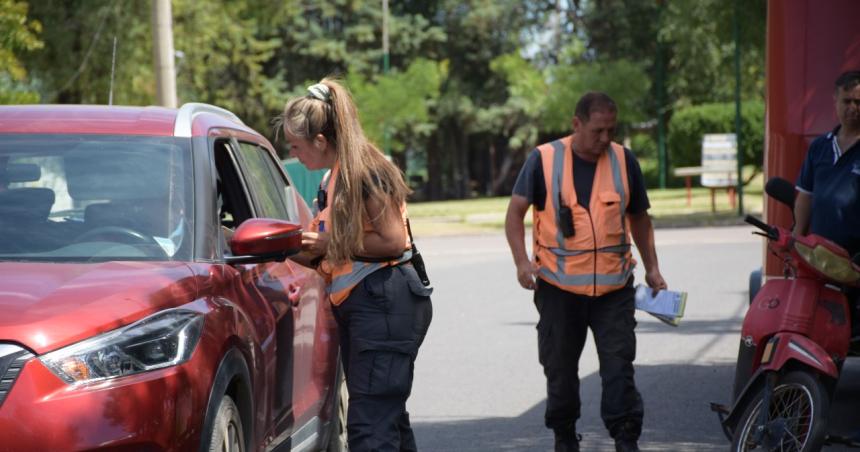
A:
(530, 183)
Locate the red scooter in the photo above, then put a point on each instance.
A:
(794, 340)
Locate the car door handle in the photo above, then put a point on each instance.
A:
(294, 293)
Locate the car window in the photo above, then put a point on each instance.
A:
(268, 183)
(233, 203)
(95, 198)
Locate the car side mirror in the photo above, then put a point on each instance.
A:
(263, 239)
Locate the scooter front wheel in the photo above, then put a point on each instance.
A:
(796, 417)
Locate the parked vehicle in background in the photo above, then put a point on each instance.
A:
(145, 299)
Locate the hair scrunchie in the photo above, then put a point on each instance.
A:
(320, 91)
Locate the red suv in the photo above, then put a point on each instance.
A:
(145, 299)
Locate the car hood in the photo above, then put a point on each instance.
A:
(45, 306)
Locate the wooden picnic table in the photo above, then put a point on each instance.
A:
(687, 172)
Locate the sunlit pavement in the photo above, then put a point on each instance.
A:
(478, 384)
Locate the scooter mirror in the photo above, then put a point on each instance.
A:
(781, 190)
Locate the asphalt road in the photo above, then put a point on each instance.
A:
(478, 384)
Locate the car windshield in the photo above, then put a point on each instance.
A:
(95, 198)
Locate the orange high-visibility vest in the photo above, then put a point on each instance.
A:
(341, 278)
(597, 258)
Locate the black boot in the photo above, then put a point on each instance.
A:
(626, 445)
(626, 436)
(566, 440)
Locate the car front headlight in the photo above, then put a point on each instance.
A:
(161, 340)
(830, 264)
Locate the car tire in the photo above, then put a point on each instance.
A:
(337, 435)
(227, 433)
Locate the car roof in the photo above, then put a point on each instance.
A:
(192, 119)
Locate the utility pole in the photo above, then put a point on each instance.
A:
(162, 52)
(662, 167)
(385, 66)
(740, 152)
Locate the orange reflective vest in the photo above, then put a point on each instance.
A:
(341, 278)
(597, 258)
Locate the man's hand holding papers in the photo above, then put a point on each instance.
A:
(666, 305)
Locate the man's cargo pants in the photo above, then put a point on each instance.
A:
(381, 325)
(562, 330)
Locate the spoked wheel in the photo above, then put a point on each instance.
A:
(227, 433)
(796, 419)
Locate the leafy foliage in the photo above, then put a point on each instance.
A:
(473, 85)
(690, 123)
(623, 80)
(399, 103)
(20, 35)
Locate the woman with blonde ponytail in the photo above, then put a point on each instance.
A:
(360, 243)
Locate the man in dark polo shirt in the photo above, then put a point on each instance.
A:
(828, 199)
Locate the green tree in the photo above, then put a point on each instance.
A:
(464, 153)
(19, 35)
(624, 80)
(399, 102)
(75, 65)
(516, 122)
(223, 52)
(697, 39)
(690, 123)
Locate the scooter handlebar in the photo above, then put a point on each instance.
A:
(771, 231)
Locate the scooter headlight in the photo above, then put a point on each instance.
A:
(830, 264)
(161, 340)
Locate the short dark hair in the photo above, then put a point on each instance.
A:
(592, 102)
(847, 80)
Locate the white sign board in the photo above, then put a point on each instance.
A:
(719, 160)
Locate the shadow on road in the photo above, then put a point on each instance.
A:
(676, 407)
(691, 327)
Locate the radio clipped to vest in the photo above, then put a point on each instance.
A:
(565, 219)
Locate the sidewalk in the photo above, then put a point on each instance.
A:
(494, 223)
(669, 209)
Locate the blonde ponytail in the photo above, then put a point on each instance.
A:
(364, 172)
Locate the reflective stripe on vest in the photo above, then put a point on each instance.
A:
(597, 259)
(342, 278)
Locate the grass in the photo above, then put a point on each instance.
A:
(668, 209)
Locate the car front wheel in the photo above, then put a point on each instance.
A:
(227, 433)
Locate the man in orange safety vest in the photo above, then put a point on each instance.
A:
(588, 197)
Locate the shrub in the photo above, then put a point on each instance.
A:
(644, 147)
(684, 143)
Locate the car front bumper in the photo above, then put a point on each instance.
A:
(158, 410)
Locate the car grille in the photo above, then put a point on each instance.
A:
(12, 359)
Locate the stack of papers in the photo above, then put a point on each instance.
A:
(667, 305)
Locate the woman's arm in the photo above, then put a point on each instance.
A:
(389, 235)
(313, 247)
